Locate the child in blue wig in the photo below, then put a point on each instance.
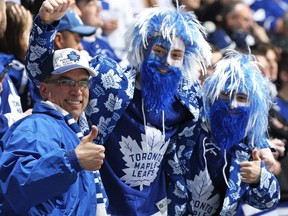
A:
(225, 168)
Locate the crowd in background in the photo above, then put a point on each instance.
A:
(260, 26)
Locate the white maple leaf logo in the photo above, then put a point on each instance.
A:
(179, 210)
(110, 80)
(92, 107)
(228, 208)
(102, 126)
(113, 103)
(175, 165)
(36, 52)
(201, 188)
(33, 69)
(142, 160)
(39, 30)
(130, 88)
(187, 131)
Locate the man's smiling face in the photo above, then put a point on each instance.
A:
(73, 99)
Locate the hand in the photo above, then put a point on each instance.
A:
(90, 155)
(28, 112)
(24, 18)
(109, 26)
(269, 160)
(277, 168)
(53, 10)
(260, 33)
(250, 171)
(279, 146)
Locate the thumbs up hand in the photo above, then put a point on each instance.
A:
(90, 155)
(250, 171)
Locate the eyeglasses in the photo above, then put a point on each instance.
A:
(5, 70)
(70, 83)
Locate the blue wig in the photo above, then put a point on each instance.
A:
(242, 73)
(169, 23)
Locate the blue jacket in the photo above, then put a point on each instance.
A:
(38, 172)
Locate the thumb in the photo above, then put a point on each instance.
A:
(255, 155)
(92, 135)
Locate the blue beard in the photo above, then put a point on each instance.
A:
(159, 89)
(227, 129)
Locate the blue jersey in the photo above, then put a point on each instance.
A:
(10, 105)
(28, 94)
(38, 176)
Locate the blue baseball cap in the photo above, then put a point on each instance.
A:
(220, 39)
(72, 22)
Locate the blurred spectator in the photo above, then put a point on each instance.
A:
(94, 44)
(269, 13)
(235, 23)
(137, 6)
(117, 15)
(212, 11)
(238, 22)
(282, 97)
(268, 56)
(218, 38)
(90, 10)
(13, 47)
(71, 31)
(273, 16)
(190, 5)
(163, 3)
(10, 105)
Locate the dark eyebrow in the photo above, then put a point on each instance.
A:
(160, 46)
(178, 50)
(242, 94)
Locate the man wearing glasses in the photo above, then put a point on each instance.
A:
(45, 162)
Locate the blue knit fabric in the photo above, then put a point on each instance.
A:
(100, 191)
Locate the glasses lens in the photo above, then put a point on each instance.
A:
(67, 83)
(72, 83)
(84, 84)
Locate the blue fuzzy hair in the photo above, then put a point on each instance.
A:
(169, 23)
(243, 72)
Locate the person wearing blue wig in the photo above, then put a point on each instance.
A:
(141, 109)
(225, 168)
